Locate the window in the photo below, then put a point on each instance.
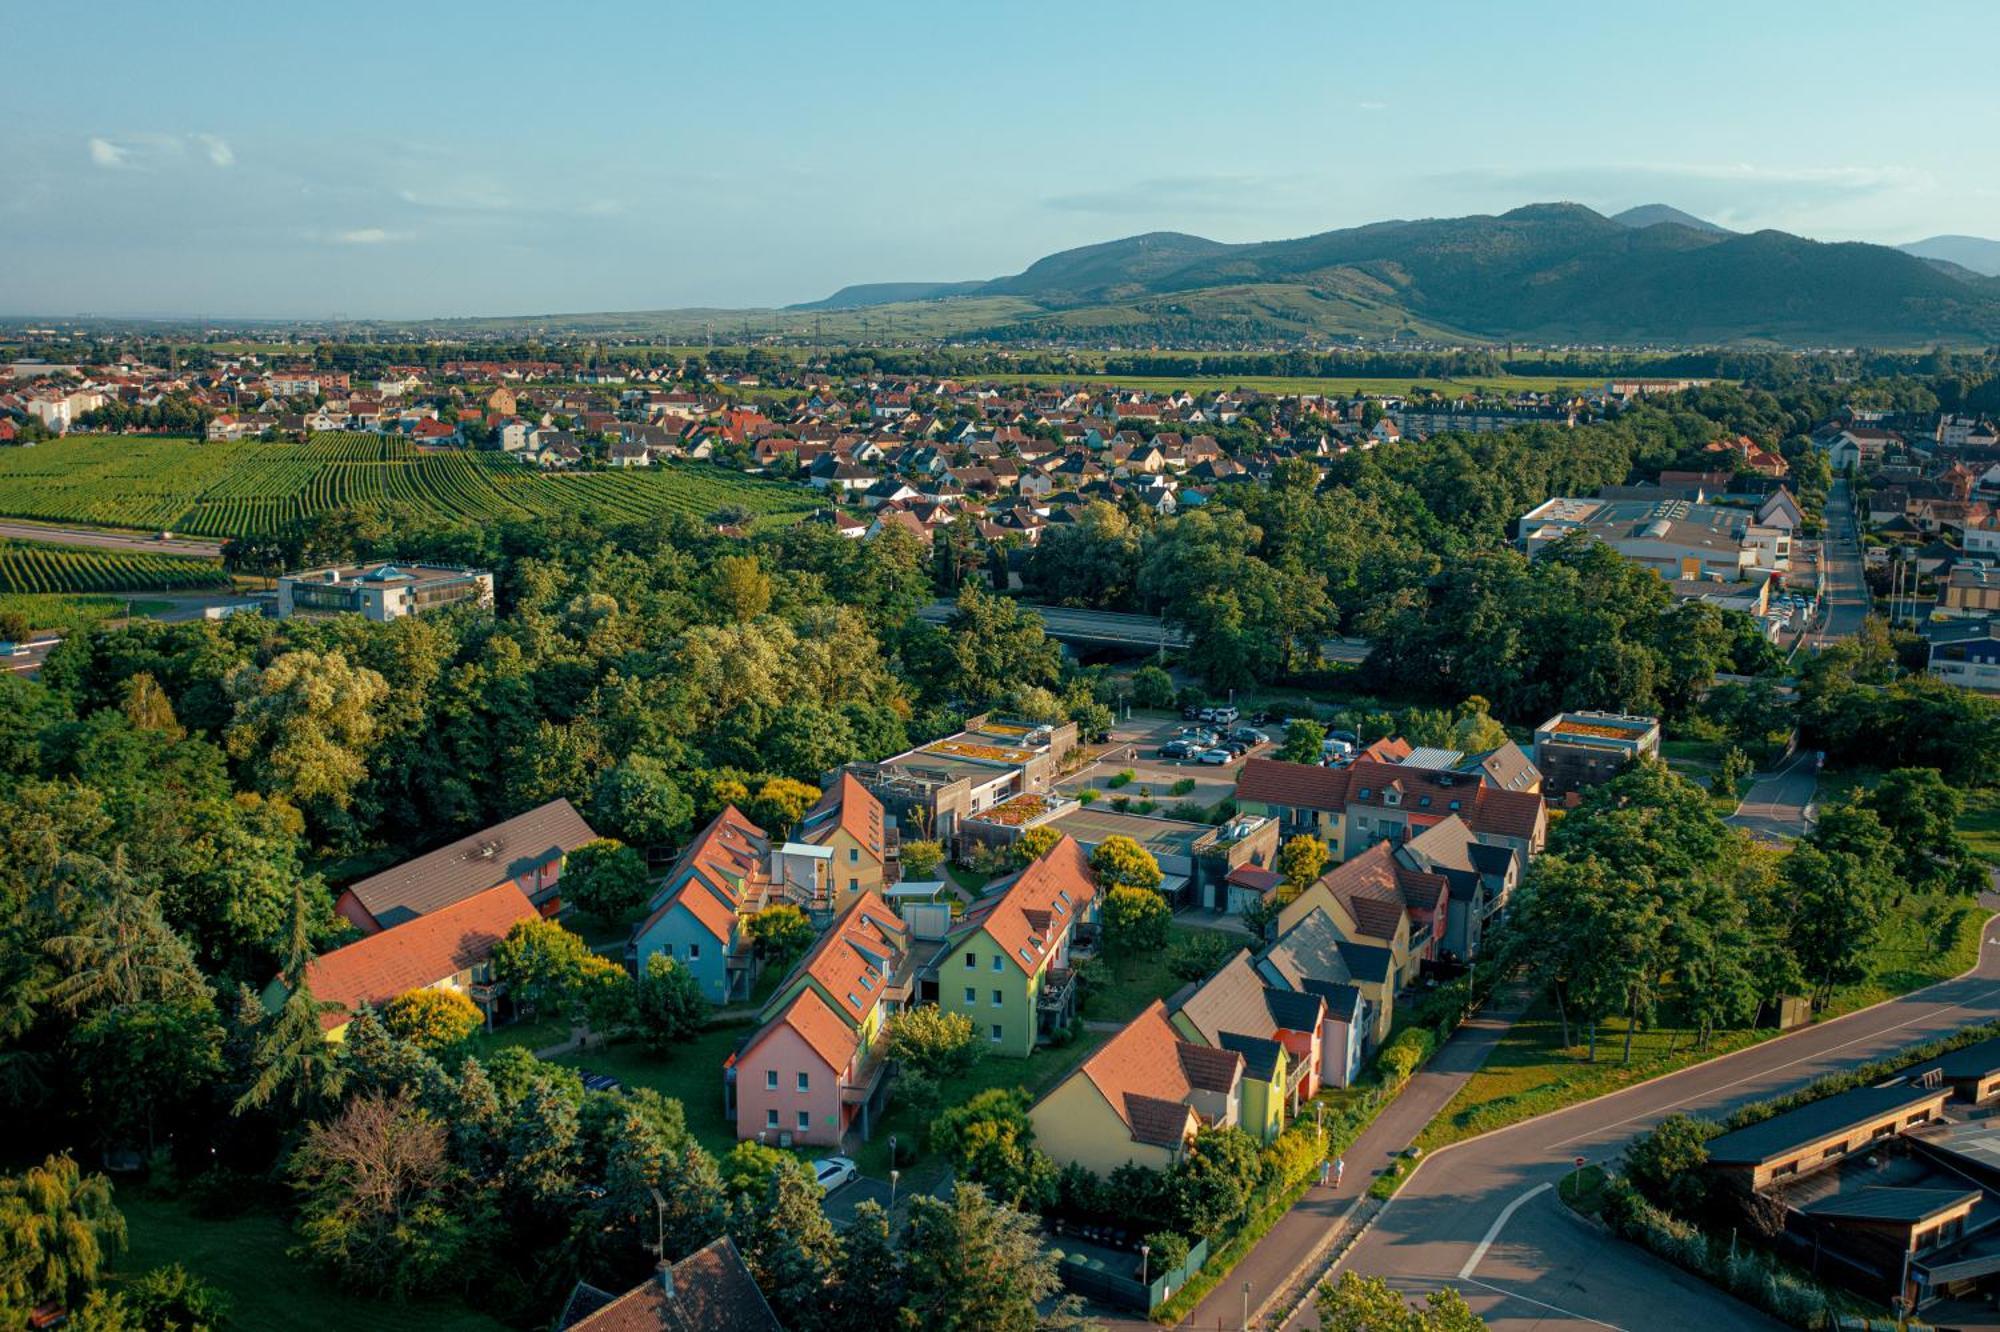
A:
(770, 1119)
(971, 995)
(972, 959)
(1423, 802)
(998, 999)
(770, 1079)
(1838, 1149)
(853, 885)
(1788, 1168)
(1921, 1117)
(867, 982)
(805, 1121)
(667, 950)
(995, 1035)
(805, 1082)
(853, 854)
(999, 961)
(694, 952)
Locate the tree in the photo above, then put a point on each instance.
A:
(929, 1040)
(1209, 1186)
(546, 966)
(605, 878)
(1119, 861)
(787, 1242)
(1668, 1164)
(173, 1299)
(1730, 770)
(1369, 1304)
(990, 1139)
(380, 1203)
(292, 1055)
(669, 1003)
(1135, 923)
(782, 935)
(780, 802)
(140, 1061)
(59, 1230)
(871, 1292)
(640, 802)
(1920, 810)
(992, 645)
(974, 1265)
(739, 588)
(1301, 860)
(1305, 742)
(432, 1019)
(1837, 909)
(921, 859)
(303, 727)
(1033, 844)
(1199, 954)
(1152, 688)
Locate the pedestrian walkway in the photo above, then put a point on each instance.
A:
(1296, 1250)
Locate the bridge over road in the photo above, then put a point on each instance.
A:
(1119, 629)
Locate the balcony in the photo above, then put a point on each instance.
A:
(1058, 990)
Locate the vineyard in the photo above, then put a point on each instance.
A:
(30, 566)
(247, 488)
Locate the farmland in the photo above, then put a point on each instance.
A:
(31, 566)
(247, 488)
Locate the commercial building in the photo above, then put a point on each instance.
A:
(927, 792)
(1575, 750)
(1675, 538)
(381, 592)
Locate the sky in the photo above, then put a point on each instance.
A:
(442, 158)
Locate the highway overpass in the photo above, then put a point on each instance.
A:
(1095, 628)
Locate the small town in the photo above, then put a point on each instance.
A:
(1376, 731)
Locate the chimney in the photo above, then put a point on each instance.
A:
(665, 1273)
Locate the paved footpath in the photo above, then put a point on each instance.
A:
(1296, 1247)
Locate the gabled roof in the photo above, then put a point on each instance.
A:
(710, 876)
(1298, 785)
(415, 954)
(856, 956)
(1237, 999)
(1029, 917)
(1368, 887)
(712, 1291)
(473, 863)
(850, 807)
(1146, 1073)
(1261, 1055)
(822, 1029)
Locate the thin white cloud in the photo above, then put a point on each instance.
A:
(363, 236)
(1371, 106)
(108, 155)
(151, 152)
(219, 151)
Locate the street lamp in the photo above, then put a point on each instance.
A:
(660, 1218)
(1246, 1307)
(1145, 1263)
(894, 1175)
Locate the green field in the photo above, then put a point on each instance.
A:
(48, 612)
(1332, 387)
(246, 488)
(32, 566)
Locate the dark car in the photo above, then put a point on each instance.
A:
(1349, 736)
(1251, 736)
(1176, 749)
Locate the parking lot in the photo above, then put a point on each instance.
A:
(1135, 744)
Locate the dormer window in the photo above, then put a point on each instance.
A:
(1364, 793)
(1454, 805)
(1025, 956)
(852, 1000)
(1392, 798)
(1423, 802)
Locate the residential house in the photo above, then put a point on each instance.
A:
(1316, 954)
(526, 850)
(1139, 1098)
(695, 916)
(710, 1290)
(446, 949)
(1008, 964)
(1480, 876)
(849, 822)
(1575, 750)
(1276, 1031)
(815, 1067)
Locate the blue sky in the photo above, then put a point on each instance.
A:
(443, 158)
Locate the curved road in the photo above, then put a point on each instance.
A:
(1482, 1216)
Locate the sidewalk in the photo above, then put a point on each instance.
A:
(1294, 1250)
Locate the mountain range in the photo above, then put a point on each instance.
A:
(1555, 272)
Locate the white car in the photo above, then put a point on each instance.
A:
(1216, 757)
(835, 1171)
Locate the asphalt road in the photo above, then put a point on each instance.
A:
(1116, 628)
(1847, 598)
(106, 539)
(31, 661)
(1482, 1215)
(1774, 809)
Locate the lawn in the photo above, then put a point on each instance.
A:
(538, 1034)
(1531, 1072)
(273, 1292)
(1980, 824)
(692, 1075)
(1123, 990)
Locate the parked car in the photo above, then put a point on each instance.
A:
(13, 649)
(1236, 748)
(1177, 749)
(1348, 737)
(603, 1082)
(834, 1171)
(1216, 757)
(1190, 712)
(1226, 716)
(1250, 735)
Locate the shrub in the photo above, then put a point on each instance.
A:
(932, 1041)
(1401, 1058)
(1088, 794)
(1169, 1250)
(1145, 807)
(432, 1019)
(921, 859)
(1123, 777)
(1182, 787)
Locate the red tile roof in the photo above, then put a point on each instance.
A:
(1147, 1069)
(416, 954)
(712, 874)
(1298, 785)
(1027, 920)
(854, 958)
(1366, 886)
(854, 809)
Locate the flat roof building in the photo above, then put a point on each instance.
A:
(1675, 538)
(1575, 750)
(381, 592)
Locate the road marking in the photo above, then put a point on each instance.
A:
(1544, 1304)
(1775, 1068)
(1493, 1231)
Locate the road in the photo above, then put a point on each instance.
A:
(1119, 629)
(1482, 1216)
(1847, 600)
(1774, 811)
(106, 539)
(31, 661)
